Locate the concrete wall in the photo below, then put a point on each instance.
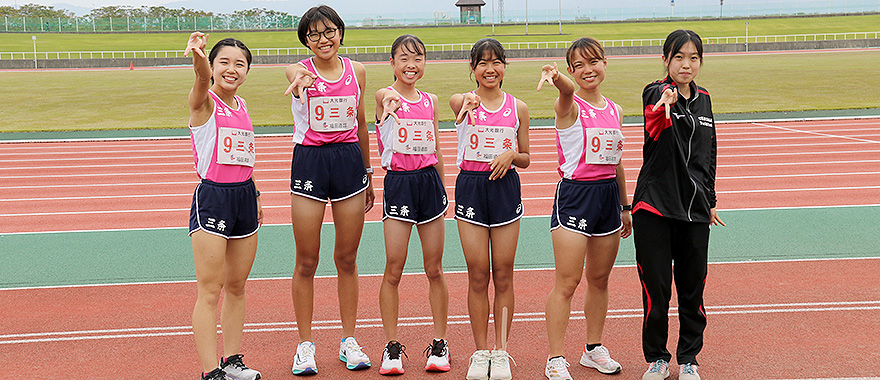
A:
(379, 57)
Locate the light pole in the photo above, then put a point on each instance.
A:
(560, 17)
(35, 50)
(527, 17)
(747, 36)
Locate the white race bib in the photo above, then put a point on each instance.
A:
(414, 136)
(484, 143)
(604, 146)
(332, 113)
(235, 147)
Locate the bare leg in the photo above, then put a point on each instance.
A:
(504, 240)
(209, 253)
(601, 253)
(475, 244)
(240, 255)
(306, 216)
(348, 219)
(569, 250)
(432, 236)
(396, 243)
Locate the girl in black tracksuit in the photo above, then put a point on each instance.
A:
(674, 204)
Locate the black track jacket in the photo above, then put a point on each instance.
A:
(677, 179)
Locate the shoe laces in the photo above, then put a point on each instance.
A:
(499, 356)
(559, 364)
(305, 349)
(394, 350)
(235, 361)
(689, 369)
(352, 347)
(658, 366)
(437, 348)
(481, 359)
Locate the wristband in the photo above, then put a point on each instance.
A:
(258, 193)
(626, 207)
(369, 170)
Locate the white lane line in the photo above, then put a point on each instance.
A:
(141, 332)
(815, 133)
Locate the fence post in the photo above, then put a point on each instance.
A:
(24, 24)
(127, 23)
(111, 24)
(59, 25)
(178, 23)
(41, 23)
(162, 23)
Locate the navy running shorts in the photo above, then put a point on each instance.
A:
(416, 196)
(225, 209)
(330, 172)
(488, 203)
(591, 208)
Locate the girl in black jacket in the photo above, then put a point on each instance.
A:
(674, 204)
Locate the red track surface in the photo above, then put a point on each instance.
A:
(783, 320)
(91, 185)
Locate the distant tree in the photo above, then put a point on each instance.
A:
(115, 11)
(145, 11)
(6, 11)
(35, 10)
(260, 12)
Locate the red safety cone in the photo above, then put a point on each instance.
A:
(131, 67)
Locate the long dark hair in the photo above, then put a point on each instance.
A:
(679, 38)
(323, 14)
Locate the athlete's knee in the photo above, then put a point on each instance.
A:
(478, 281)
(392, 276)
(235, 288)
(565, 287)
(434, 273)
(209, 293)
(346, 264)
(598, 282)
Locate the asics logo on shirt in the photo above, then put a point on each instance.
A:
(507, 112)
(348, 80)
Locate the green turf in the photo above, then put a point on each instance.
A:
(53, 42)
(156, 98)
(166, 255)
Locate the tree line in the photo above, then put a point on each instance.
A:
(123, 11)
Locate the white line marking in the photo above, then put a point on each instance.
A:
(164, 331)
(816, 133)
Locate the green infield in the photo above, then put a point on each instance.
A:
(62, 42)
(156, 98)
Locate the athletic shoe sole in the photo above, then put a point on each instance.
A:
(305, 372)
(392, 371)
(355, 367)
(436, 368)
(586, 362)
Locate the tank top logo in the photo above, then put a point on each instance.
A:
(404, 107)
(225, 112)
(507, 112)
(588, 113)
(482, 115)
(348, 80)
(321, 86)
(427, 102)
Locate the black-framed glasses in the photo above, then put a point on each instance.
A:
(328, 33)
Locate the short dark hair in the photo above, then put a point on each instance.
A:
(484, 45)
(588, 47)
(679, 38)
(323, 14)
(412, 43)
(230, 42)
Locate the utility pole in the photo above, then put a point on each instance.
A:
(35, 50)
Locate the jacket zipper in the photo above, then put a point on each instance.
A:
(690, 114)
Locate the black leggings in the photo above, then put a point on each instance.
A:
(659, 242)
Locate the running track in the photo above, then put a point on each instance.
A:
(778, 320)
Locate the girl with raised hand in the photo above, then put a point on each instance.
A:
(674, 205)
(407, 132)
(226, 211)
(331, 162)
(590, 210)
(493, 137)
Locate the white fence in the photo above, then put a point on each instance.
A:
(347, 50)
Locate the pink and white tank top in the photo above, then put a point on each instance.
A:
(591, 148)
(223, 147)
(410, 145)
(330, 112)
(490, 134)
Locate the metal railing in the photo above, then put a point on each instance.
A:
(348, 50)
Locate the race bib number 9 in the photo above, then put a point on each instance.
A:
(485, 143)
(414, 136)
(235, 147)
(605, 146)
(332, 113)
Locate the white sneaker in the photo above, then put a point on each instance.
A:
(500, 365)
(600, 359)
(304, 360)
(391, 362)
(236, 370)
(438, 356)
(557, 369)
(479, 367)
(688, 371)
(350, 353)
(658, 370)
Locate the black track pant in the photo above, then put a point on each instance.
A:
(660, 242)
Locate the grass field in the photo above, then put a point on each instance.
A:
(54, 42)
(156, 98)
